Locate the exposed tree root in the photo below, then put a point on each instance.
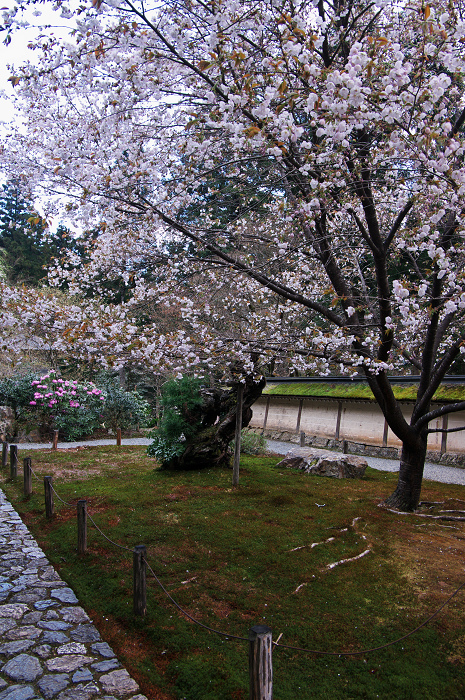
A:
(346, 561)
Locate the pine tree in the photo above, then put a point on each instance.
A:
(26, 245)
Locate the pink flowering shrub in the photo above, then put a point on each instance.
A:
(73, 408)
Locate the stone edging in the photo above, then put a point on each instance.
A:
(48, 646)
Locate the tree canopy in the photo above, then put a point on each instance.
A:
(338, 127)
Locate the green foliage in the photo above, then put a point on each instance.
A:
(123, 409)
(73, 408)
(26, 244)
(252, 443)
(180, 400)
(17, 392)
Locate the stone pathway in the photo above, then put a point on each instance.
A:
(48, 646)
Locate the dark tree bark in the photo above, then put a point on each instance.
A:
(209, 447)
(406, 496)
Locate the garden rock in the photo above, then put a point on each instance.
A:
(324, 463)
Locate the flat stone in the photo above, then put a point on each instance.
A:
(51, 615)
(53, 625)
(105, 666)
(85, 633)
(27, 632)
(54, 638)
(43, 650)
(324, 463)
(32, 596)
(103, 649)
(44, 604)
(6, 625)
(13, 648)
(138, 697)
(23, 668)
(83, 693)
(68, 663)
(65, 595)
(72, 648)
(32, 618)
(119, 683)
(13, 611)
(18, 692)
(51, 685)
(75, 614)
(83, 675)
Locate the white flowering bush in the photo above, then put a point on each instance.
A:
(73, 408)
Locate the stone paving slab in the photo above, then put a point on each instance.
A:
(48, 646)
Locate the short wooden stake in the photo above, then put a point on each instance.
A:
(302, 439)
(344, 447)
(237, 441)
(4, 454)
(27, 472)
(260, 663)
(140, 585)
(55, 440)
(82, 526)
(13, 461)
(48, 481)
(118, 437)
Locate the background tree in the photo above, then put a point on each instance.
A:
(341, 119)
(26, 244)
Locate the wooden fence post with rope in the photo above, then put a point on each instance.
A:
(260, 663)
(13, 461)
(27, 473)
(49, 507)
(140, 582)
(82, 526)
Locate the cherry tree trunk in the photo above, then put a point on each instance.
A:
(406, 497)
(210, 446)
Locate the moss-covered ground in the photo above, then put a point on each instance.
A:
(236, 558)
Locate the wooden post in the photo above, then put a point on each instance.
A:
(140, 586)
(237, 441)
(299, 416)
(82, 526)
(260, 663)
(48, 480)
(445, 423)
(13, 461)
(302, 439)
(344, 447)
(338, 420)
(4, 454)
(27, 473)
(118, 437)
(55, 440)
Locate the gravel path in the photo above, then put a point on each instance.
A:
(434, 472)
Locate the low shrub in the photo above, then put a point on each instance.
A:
(252, 443)
(180, 398)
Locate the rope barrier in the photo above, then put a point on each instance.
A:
(60, 498)
(382, 646)
(107, 538)
(200, 624)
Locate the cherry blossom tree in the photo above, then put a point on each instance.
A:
(339, 126)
